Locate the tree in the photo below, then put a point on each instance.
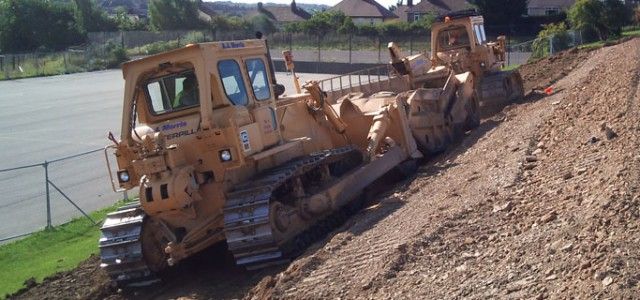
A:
(322, 23)
(551, 33)
(293, 27)
(174, 14)
(604, 19)
(347, 26)
(127, 23)
(636, 15)
(231, 27)
(422, 27)
(263, 24)
(91, 18)
(27, 25)
(615, 16)
(502, 12)
(586, 15)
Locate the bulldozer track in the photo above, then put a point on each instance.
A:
(246, 214)
(121, 248)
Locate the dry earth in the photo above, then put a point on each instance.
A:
(540, 202)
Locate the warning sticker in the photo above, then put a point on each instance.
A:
(244, 139)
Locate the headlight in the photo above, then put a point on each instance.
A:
(225, 155)
(123, 176)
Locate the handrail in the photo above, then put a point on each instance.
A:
(106, 156)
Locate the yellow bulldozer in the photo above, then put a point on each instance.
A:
(218, 153)
(458, 40)
(218, 156)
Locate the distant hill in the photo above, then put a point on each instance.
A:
(139, 7)
(250, 6)
(241, 9)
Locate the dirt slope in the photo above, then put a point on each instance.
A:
(537, 202)
(543, 204)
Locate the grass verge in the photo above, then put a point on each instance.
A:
(510, 67)
(47, 252)
(632, 33)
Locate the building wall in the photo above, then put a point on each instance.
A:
(366, 21)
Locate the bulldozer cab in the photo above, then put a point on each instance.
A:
(458, 32)
(213, 100)
(460, 40)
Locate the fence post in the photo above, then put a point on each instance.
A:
(318, 48)
(379, 48)
(551, 45)
(350, 45)
(411, 45)
(508, 49)
(580, 32)
(46, 182)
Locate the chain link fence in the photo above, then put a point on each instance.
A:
(73, 60)
(108, 49)
(53, 192)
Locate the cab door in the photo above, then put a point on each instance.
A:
(262, 99)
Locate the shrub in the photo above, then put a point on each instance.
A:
(555, 33)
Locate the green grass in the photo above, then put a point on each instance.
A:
(594, 45)
(49, 251)
(47, 65)
(510, 67)
(599, 44)
(631, 33)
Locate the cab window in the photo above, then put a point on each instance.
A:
(232, 82)
(258, 76)
(479, 31)
(453, 37)
(173, 92)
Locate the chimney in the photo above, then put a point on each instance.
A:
(410, 3)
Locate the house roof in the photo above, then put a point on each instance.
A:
(363, 8)
(402, 11)
(207, 9)
(550, 3)
(439, 6)
(279, 13)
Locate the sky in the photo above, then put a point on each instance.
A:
(385, 3)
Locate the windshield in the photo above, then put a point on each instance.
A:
(174, 92)
(258, 76)
(453, 37)
(232, 82)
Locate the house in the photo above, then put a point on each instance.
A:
(281, 15)
(137, 8)
(411, 12)
(548, 7)
(206, 12)
(364, 11)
